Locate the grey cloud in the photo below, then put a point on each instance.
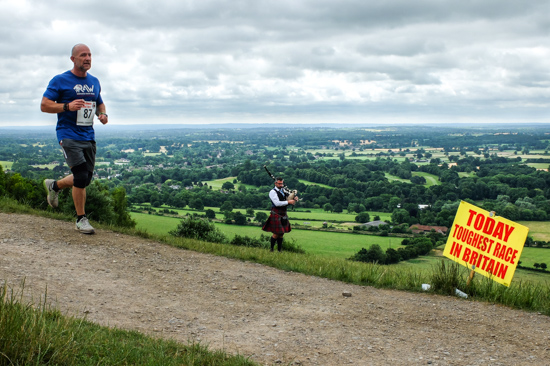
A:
(259, 57)
(401, 46)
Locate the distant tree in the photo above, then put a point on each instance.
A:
(23, 190)
(417, 179)
(120, 204)
(250, 212)
(400, 216)
(327, 207)
(392, 256)
(247, 241)
(337, 208)
(197, 228)
(401, 228)
(260, 217)
(99, 204)
(226, 206)
(363, 217)
(210, 213)
(393, 203)
(422, 245)
(228, 185)
(196, 203)
(372, 255)
(359, 208)
(239, 218)
(543, 266)
(2, 181)
(321, 200)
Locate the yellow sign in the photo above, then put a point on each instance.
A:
(489, 244)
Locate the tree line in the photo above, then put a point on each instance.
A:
(471, 170)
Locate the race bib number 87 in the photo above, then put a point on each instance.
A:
(85, 116)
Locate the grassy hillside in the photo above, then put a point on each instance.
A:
(531, 295)
(344, 245)
(330, 244)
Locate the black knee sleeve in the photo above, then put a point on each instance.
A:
(80, 176)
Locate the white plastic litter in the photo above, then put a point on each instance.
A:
(460, 293)
(425, 286)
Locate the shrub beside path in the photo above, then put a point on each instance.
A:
(272, 316)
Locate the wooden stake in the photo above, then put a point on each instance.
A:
(471, 276)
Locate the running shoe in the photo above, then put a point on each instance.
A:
(84, 226)
(53, 196)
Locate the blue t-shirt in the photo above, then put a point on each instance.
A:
(65, 88)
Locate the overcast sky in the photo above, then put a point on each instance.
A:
(299, 61)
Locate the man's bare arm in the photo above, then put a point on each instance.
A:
(102, 114)
(49, 106)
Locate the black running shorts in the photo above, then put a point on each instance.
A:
(79, 152)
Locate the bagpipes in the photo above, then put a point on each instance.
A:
(292, 194)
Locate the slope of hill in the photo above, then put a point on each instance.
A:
(270, 315)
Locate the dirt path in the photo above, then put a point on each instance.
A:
(270, 315)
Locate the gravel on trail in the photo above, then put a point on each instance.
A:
(272, 316)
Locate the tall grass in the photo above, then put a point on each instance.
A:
(447, 276)
(34, 334)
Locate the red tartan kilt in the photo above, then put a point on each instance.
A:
(273, 223)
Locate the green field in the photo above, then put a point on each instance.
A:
(340, 245)
(308, 183)
(218, 183)
(152, 154)
(323, 216)
(45, 166)
(393, 178)
(539, 166)
(335, 245)
(370, 154)
(538, 230)
(530, 256)
(431, 180)
(6, 164)
(315, 217)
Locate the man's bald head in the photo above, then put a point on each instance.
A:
(82, 59)
(77, 47)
